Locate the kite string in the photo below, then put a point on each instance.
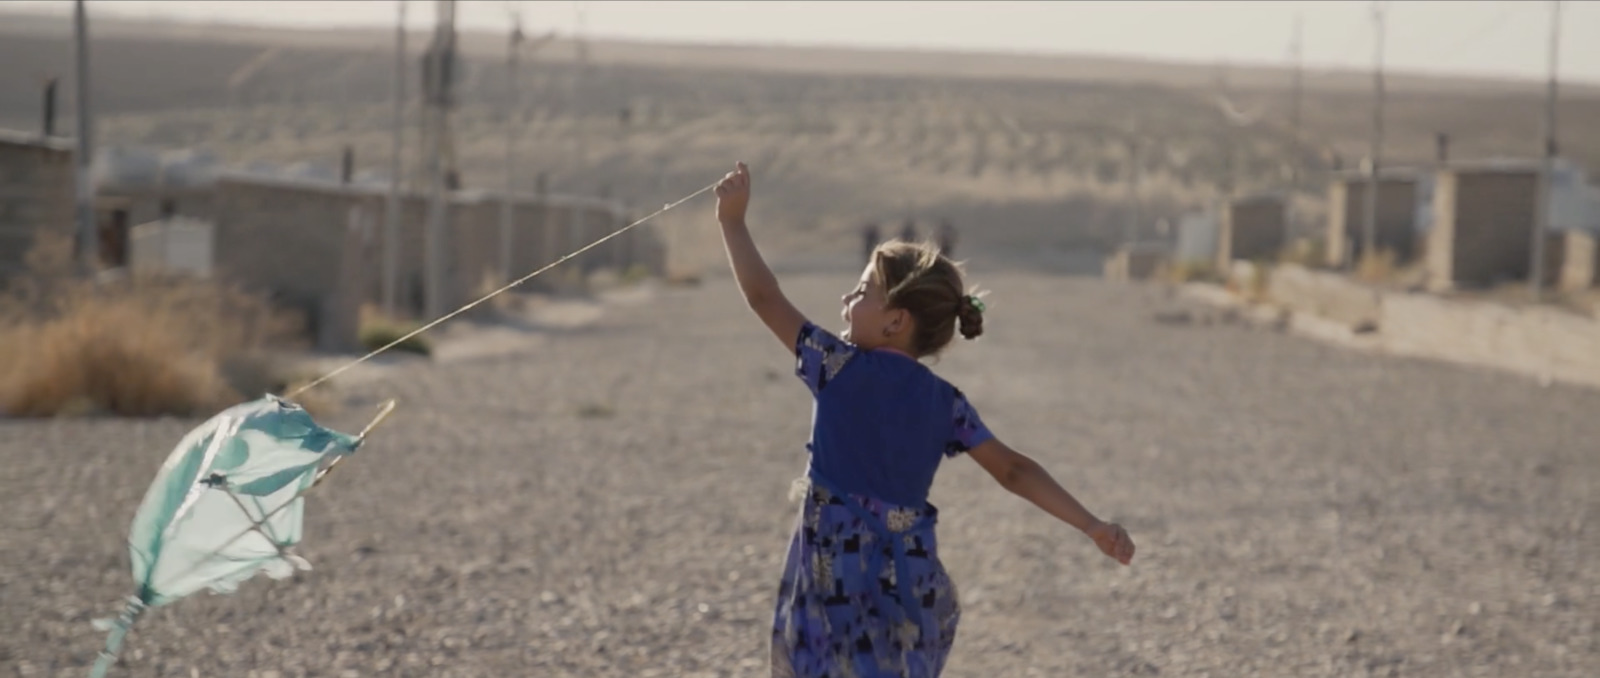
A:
(491, 295)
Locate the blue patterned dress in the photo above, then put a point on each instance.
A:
(863, 592)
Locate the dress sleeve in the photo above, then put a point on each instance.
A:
(819, 356)
(969, 429)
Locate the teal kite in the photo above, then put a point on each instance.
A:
(227, 504)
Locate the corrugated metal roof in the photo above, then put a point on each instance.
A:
(469, 196)
(1385, 174)
(32, 140)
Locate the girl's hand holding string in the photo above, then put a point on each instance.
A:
(733, 195)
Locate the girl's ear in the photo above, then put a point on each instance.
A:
(898, 319)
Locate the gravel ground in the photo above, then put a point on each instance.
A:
(610, 501)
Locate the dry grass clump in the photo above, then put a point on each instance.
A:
(1377, 267)
(1305, 252)
(138, 346)
(1193, 271)
(379, 330)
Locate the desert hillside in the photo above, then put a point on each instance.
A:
(1020, 152)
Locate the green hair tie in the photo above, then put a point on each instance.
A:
(976, 303)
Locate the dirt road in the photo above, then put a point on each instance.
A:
(610, 501)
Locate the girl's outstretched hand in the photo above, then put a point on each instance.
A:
(733, 195)
(1113, 540)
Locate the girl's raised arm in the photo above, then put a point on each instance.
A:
(1025, 478)
(756, 282)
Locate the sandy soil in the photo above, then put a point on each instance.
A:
(609, 500)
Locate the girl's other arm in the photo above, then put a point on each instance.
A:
(1025, 478)
(756, 282)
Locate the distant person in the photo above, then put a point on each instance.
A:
(908, 233)
(863, 591)
(869, 240)
(947, 238)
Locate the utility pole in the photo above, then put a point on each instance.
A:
(1228, 187)
(391, 223)
(576, 226)
(513, 118)
(50, 107)
(1295, 53)
(89, 245)
(441, 65)
(1134, 169)
(1542, 209)
(1369, 230)
(578, 83)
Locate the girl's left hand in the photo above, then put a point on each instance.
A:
(1113, 541)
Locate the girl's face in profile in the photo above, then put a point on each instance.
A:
(864, 314)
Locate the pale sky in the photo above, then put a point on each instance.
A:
(1486, 37)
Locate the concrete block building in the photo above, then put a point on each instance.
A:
(1395, 227)
(36, 194)
(1251, 228)
(1482, 231)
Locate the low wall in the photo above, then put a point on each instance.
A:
(1127, 264)
(1327, 295)
(1579, 268)
(1542, 342)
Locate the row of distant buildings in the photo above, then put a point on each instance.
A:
(311, 240)
(1468, 225)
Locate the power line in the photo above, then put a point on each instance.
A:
(1352, 43)
(1494, 24)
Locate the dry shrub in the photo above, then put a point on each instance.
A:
(1193, 271)
(136, 346)
(1305, 252)
(379, 330)
(1377, 269)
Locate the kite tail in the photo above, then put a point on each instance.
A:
(119, 630)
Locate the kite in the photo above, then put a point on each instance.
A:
(227, 504)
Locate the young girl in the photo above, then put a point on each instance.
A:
(863, 592)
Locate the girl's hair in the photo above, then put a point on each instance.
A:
(919, 280)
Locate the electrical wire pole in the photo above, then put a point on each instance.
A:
(88, 238)
(1542, 209)
(513, 118)
(1134, 168)
(1369, 229)
(391, 223)
(441, 60)
(579, 81)
(1296, 93)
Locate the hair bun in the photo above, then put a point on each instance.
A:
(970, 317)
